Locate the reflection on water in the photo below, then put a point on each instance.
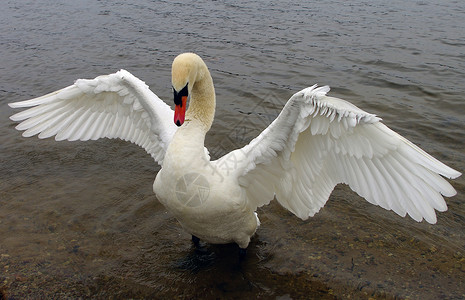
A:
(80, 219)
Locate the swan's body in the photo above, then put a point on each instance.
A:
(315, 143)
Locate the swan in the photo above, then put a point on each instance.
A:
(314, 144)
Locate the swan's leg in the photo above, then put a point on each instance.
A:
(242, 253)
(196, 241)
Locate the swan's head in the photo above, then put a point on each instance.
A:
(187, 68)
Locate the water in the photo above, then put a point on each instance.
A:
(80, 219)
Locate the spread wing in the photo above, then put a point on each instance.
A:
(118, 105)
(317, 142)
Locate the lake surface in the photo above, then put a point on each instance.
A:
(79, 219)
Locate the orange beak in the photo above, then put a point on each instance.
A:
(180, 111)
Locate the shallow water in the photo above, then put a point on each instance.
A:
(80, 219)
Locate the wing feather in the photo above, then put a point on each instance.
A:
(318, 141)
(118, 105)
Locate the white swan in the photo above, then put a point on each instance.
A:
(315, 143)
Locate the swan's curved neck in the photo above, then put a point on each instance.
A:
(203, 101)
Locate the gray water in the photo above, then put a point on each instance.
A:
(79, 219)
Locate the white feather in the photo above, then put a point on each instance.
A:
(116, 106)
(343, 144)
